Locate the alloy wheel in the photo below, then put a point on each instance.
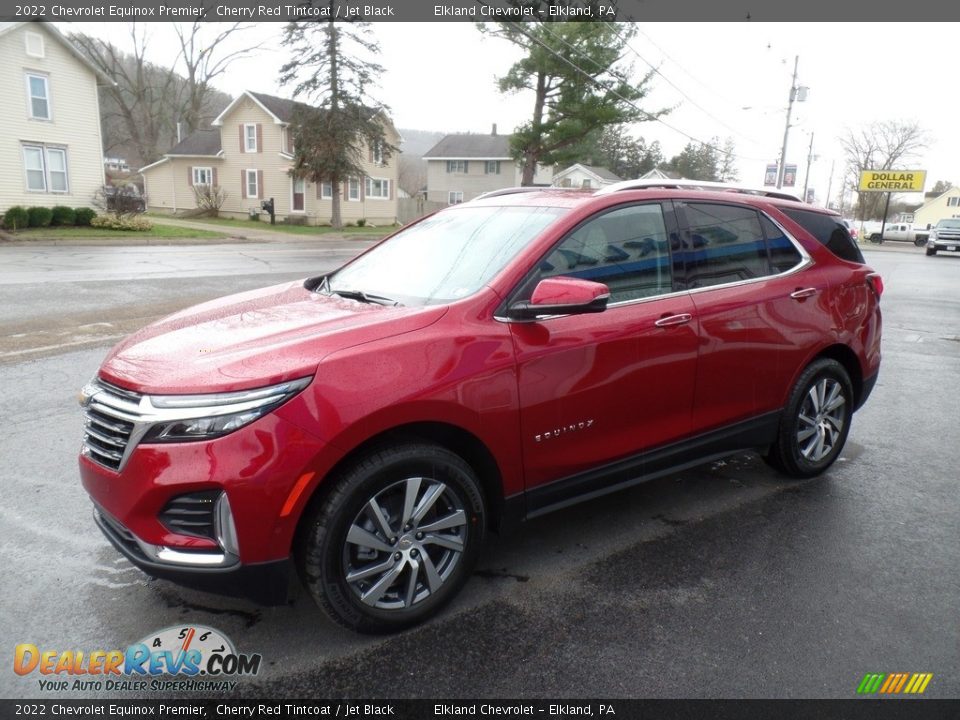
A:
(404, 543)
(821, 419)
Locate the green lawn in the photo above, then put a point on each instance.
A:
(157, 231)
(261, 225)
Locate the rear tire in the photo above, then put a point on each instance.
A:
(396, 538)
(815, 423)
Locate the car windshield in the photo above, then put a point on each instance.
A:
(446, 257)
(952, 224)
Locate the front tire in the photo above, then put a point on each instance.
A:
(931, 252)
(815, 423)
(396, 539)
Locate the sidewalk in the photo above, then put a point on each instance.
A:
(260, 234)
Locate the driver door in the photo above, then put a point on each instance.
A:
(597, 388)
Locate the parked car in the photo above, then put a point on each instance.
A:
(489, 363)
(126, 200)
(904, 232)
(945, 235)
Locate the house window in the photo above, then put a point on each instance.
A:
(38, 92)
(455, 197)
(377, 153)
(326, 191)
(585, 183)
(566, 182)
(953, 202)
(250, 137)
(492, 167)
(353, 189)
(378, 189)
(34, 44)
(456, 166)
(57, 169)
(46, 169)
(202, 176)
(253, 188)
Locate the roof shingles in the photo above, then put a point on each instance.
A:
(471, 145)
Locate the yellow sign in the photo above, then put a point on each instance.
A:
(892, 180)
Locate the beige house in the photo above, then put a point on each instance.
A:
(585, 176)
(462, 166)
(249, 154)
(50, 146)
(945, 205)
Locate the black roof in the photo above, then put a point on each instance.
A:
(471, 145)
(201, 142)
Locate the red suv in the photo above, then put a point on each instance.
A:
(488, 363)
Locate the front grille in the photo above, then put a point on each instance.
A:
(191, 514)
(109, 420)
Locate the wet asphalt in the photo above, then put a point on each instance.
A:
(723, 581)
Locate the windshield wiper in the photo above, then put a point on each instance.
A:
(364, 297)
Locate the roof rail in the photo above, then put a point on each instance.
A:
(696, 185)
(520, 189)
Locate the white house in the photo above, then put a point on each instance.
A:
(50, 145)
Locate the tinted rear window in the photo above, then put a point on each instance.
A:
(829, 231)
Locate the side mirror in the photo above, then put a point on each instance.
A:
(562, 296)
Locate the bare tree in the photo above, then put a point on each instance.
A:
(885, 145)
(135, 109)
(412, 174)
(203, 58)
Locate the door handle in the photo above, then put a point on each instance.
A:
(802, 294)
(671, 320)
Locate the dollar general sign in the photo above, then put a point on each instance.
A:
(892, 180)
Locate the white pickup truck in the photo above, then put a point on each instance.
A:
(897, 231)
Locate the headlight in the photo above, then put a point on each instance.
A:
(182, 418)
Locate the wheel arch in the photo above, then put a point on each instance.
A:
(851, 363)
(448, 436)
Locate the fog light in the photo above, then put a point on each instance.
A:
(225, 527)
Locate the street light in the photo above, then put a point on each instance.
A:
(798, 94)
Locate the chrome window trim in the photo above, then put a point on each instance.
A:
(806, 261)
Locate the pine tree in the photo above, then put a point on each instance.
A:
(331, 66)
(579, 86)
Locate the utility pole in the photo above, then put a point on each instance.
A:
(830, 186)
(806, 178)
(786, 128)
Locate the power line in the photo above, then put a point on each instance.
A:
(693, 102)
(647, 115)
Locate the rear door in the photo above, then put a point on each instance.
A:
(600, 387)
(761, 308)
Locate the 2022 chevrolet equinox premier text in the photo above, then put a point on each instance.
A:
(486, 364)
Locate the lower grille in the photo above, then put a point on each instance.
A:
(191, 514)
(119, 533)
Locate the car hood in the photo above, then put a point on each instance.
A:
(252, 339)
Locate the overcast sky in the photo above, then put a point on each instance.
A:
(441, 76)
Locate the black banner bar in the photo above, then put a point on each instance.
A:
(854, 709)
(483, 10)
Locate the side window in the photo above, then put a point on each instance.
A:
(829, 231)
(783, 254)
(626, 249)
(723, 244)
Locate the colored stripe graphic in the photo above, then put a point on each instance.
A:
(894, 683)
(870, 683)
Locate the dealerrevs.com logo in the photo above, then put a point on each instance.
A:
(192, 657)
(894, 683)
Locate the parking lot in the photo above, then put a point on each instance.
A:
(723, 581)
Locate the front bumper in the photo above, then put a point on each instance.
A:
(944, 245)
(218, 572)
